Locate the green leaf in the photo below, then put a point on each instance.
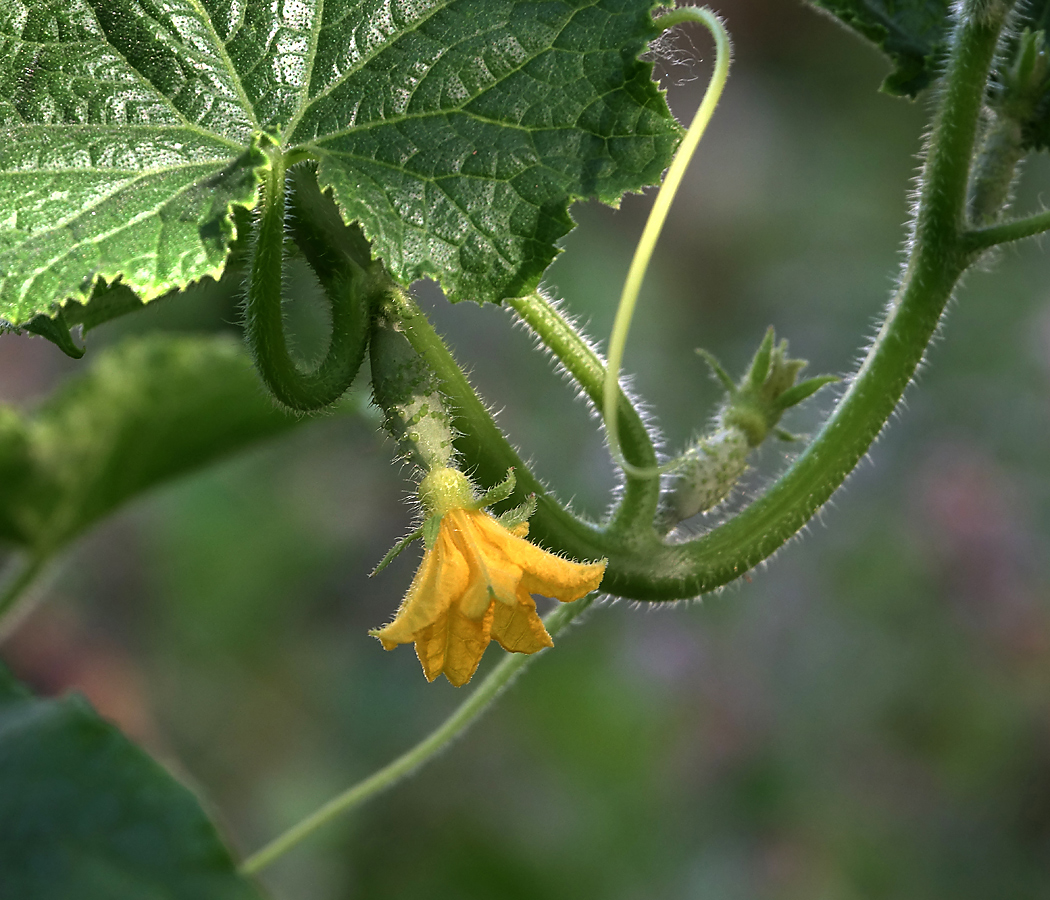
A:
(56, 330)
(107, 302)
(147, 411)
(85, 813)
(912, 33)
(459, 132)
(456, 131)
(124, 140)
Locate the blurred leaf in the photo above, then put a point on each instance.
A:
(86, 814)
(1036, 120)
(16, 467)
(147, 411)
(912, 33)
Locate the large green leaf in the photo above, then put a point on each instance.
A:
(124, 138)
(147, 411)
(86, 814)
(456, 131)
(912, 33)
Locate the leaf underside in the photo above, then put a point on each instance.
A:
(85, 813)
(912, 33)
(457, 132)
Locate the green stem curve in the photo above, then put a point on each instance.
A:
(641, 496)
(642, 567)
(264, 318)
(512, 665)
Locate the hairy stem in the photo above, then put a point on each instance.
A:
(648, 569)
(983, 238)
(512, 665)
(300, 390)
(641, 495)
(995, 170)
(483, 444)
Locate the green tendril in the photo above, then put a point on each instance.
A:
(303, 391)
(657, 216)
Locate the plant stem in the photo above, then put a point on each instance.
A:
(995, 169)
(651, 570)
(982, 238)
(484, 445)
(479, 700)
(641, 495)
(303, 391)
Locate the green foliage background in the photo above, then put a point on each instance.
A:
(866, 719)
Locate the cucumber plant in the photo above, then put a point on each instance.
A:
(149, 144)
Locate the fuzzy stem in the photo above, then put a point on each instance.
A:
(641, 495)
(512, 665)
(304, 391)
(483, 444)
(983, 238)
(995, 170)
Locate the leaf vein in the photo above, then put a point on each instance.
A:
(363, 61)
(225, 56)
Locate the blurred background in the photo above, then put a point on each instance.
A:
(867, 717)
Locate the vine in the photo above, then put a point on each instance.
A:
(376, 185)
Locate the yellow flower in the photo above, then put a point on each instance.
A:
(475, 583)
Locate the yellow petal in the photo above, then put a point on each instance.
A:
(544, 573)
(475, 584)
(518, 628)
(440, 581)
(454, 645)
(492, 575)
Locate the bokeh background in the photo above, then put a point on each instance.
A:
(867, 717)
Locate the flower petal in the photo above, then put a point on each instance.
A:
(544, 572)
(454, 645)
(518, 628)
(492, 575)
(438, 584)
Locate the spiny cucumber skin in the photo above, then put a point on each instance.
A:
(407, 392)
(712, 467)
